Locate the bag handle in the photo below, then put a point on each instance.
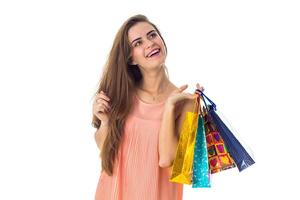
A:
(205, 109)
(210, 101)
(196, 105)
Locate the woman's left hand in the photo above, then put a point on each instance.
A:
(178, 95)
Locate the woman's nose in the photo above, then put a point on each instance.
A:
(149, 43)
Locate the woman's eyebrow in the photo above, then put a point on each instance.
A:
(141, 38)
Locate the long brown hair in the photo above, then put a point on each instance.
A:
(118, 81)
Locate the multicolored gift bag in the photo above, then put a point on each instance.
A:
(182, 167)
(218, 156)
(201, 175)
(240, 156)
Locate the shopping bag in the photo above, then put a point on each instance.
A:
(218, 156)
(201, 174)
(240, 156)
(182, 167)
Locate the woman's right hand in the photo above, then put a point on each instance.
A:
(101, 107)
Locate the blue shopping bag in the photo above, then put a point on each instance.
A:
(238, 153)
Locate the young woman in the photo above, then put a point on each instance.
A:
(138, 113)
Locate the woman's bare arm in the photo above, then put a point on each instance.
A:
(169, 133)
(100, 136)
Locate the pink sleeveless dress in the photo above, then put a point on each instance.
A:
(137, 175)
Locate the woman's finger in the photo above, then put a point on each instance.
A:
(198, 92)
(199, 87)
(102, 108)
(182, 88)
(102, 96)
(101, 101)
(104, 104)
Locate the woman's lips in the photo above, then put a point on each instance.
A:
(154, 53)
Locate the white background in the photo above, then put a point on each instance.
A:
(245, 54)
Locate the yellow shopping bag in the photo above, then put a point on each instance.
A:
(182, 168)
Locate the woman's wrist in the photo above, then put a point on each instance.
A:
(169, 106)
(104, 123)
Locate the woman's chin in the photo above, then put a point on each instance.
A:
(157, 65)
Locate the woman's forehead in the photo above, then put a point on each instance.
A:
(140, 29)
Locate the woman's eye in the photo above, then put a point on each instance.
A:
(152, 35)
(137, 44)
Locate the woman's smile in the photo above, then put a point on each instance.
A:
(154, 53)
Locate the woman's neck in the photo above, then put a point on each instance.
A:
(155, 83)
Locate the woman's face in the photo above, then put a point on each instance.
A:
(147, 47)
